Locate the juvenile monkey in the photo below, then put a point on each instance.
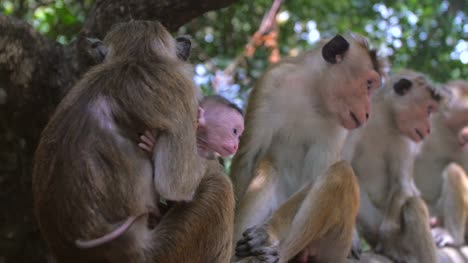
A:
(220, 125)
(91, 178)
(295, 197)
(392, 217)
(440, 170)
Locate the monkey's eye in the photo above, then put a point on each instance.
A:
(369, 84)
(234, 131)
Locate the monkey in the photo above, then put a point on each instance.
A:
(392, 218)
(220, 125)
(90, 177)
(440, 169)
(296, 199)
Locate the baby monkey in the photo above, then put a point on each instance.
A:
(220, 125)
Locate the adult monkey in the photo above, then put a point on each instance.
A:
(441, 168)
(292, 198)
(392, 217)
(90, 176)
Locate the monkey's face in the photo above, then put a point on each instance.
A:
(221, 130)
(353, 99)
(353, 78)
(414, 102)
(456, 114)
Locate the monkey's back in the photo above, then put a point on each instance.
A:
(87, 144)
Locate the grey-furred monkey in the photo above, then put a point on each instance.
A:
(295, 198)
(90, 178)
(440, 170)
(392, 217)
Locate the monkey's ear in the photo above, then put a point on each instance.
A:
(184, 46)
(99, 50)
(402, 86)
(201, 117)
(334, 50)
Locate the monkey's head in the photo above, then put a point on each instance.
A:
(220, 125)
(455, 115)
(148, 38)
(351, 72)
(413, 98)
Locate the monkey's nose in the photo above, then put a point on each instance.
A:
(367, 115)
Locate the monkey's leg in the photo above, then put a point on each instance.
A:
(200, 230)
(258, 202)
(262, 240)
(454, 205)
(324, 222)
(368, 220)
(415, 243)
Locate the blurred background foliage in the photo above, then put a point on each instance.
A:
(429, 36)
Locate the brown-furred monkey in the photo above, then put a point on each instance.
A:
(220, 125)
(90, 177)
(295, 198)
(392, 217)
(440, 170)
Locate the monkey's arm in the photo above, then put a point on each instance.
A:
(402, 187)
(177, 167)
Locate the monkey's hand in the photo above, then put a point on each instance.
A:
(147, 142)
(442, 237)
(356, 249)
(256, 242)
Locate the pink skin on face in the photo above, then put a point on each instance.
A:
(219, 130)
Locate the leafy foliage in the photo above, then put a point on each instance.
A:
(425, 35)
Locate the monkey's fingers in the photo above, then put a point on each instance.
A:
(355, 253)
(268, 258)
(151, 137)
(148, 141)
(145, 147)
(442, 238)
(243, 251)
(265, 251)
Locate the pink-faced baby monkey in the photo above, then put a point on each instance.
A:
(220, 125)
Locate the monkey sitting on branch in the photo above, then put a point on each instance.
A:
(296, 200)
(392, 217)
(90, 178)
(440, 170)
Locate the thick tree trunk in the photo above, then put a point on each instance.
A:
(35, 73)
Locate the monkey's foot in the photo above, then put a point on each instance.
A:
(442, 238)
(256, 242)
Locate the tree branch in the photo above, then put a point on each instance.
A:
(172, 13)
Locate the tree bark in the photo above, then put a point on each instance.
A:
(35, 74)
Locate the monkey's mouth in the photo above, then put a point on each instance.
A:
(419, 134)
(355, 119)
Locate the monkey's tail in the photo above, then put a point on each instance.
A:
(80, 243)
